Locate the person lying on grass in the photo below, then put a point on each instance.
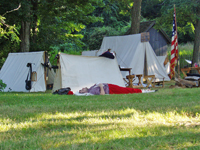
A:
(104, 88)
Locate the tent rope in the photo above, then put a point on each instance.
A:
(121, 61)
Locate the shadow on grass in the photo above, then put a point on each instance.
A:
(23, 107)
(71, 136)
(24, 110)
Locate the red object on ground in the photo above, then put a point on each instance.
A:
(70, 93)
(115, 89)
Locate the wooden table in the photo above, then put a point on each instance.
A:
(149, 79)
(125, 69)
(131, 78)
(187, 70)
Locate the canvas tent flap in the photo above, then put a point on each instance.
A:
(154, 67)
(138, 59)
(167, 68)
(124, 47)
(14, 71)
(161, 59)
(77, 72)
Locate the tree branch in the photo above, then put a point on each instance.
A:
(12, 10)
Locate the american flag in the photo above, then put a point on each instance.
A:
(174, 47)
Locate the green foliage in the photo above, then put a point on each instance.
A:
(6, 48)
(2, 86)
(78, 23)
(9, 36)
(151, 9)
(185, 21)
(63, 22)
(68, 48)
(185, 52)
(95, 36)
(184, 49)
(114, 23)
(110, 12)
(8, 31)
(52, 22)
(2, 60)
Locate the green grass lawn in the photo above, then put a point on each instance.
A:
(167, 119)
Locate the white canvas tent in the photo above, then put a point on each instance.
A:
(14, 72)
(132, 53)
(161, 59)
(77, 71)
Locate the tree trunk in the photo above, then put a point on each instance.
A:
(35, 19)
(135, 15)
(196, 51)
(25, 36)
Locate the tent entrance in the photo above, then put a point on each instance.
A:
(145, 71)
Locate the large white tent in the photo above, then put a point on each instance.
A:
(166, 66)
(77, 71)
(14, 72)
(132, 53)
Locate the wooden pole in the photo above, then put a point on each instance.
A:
(45, 69)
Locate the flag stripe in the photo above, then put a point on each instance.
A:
(174, 47)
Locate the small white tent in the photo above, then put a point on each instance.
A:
(77, 71)
(132, 53)
(14, 72)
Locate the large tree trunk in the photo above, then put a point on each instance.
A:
(25, 36)
(35, 19)
(25, 29)
(135, 15)
(196, 51)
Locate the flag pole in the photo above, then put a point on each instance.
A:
(178, 62)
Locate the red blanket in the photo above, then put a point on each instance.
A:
(70, 93)
(115, 89)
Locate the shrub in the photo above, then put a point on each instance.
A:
(2, 86)
(185, 52)
(56, 49)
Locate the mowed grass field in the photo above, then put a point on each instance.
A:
(167, 119)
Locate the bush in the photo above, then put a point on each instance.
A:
(56, 49)
(185, 52)
(2, 86)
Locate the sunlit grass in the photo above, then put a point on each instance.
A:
(127, 116)
(167, 119)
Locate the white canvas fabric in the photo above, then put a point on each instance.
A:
(77, 72)
(14, 72)
(167, 68)
(161, 59)
(153, 65)
(130, 53)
